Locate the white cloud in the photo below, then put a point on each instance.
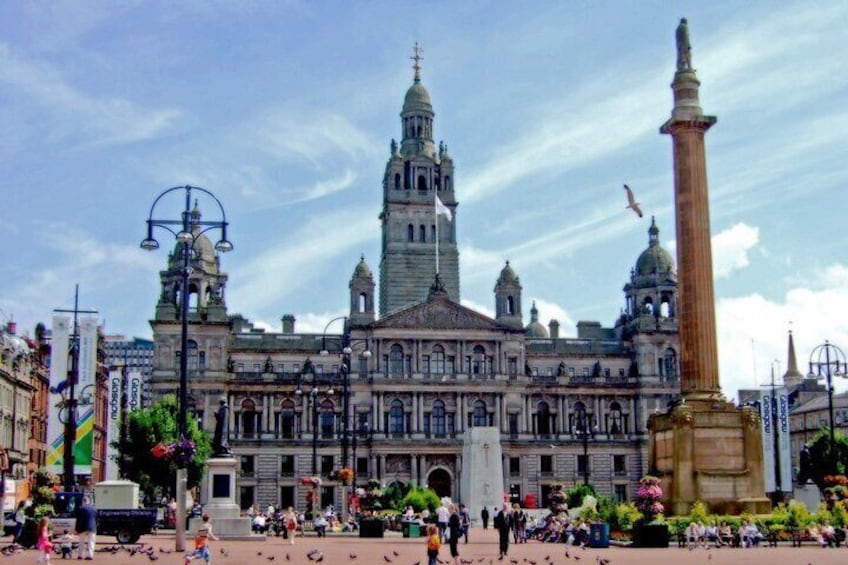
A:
(99, 121)
(752, 330)
(730, 248)
(486, 311)
(552, 311)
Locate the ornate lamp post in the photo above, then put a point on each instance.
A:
(187, 230)
(829, 361)
(584, 429)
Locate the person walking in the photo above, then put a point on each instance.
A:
(484, 515)
(86, 529)
(454, 527)
(43, 543)
(291, 525)
(442, 515)
(434, 543)
(503, 524)
(20, 520)
(464, 520)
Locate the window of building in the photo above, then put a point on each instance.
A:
(239, 366)
(286, 497)
(249, 418)
(328, 419)
(327, 464)
(396, 359)
(549, 371)
(546, 464)
(410, 233)
(543, 419)
(514, 466)
(425, 364)
(287, 465)
(621, 371)
(512, 421)
(615, 419)
(587, 371)
(479, 416)
(422, 234)
(582, 464)
(361, 466)
(328, 496)
(512, 366)
(286, 425)
(396, 417)
(245, 497)
(618, 466)
(571, 372)
(437, 365)
(296, 368)
(439, 418)
(620, 493)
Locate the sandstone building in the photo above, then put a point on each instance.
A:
(409, 384)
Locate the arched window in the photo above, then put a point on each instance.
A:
(433, 233)
(510, 305)
(397, 181)
(410, 233)
(447, 182)
(668, 366)
(361, 302)
(396, 417)
(328, 419)
(193, 297)
(249, 418)
(665, 308)
(439, 418)
(615, 419)
(422, 183)
(396, 359)
(437, 360)
(579, 418)
(648, 306)
(478, 360)
(543, 419)
(286, 420)
(192, 355)
(479, 417)
(422, 234)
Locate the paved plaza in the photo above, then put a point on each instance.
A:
(482, 548)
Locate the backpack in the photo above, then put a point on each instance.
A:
(499, 520)
(433, 544)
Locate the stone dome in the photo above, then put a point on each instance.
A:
(655, 259)
(535, 328)
(416, 97)
(507, 275)
(362, 270)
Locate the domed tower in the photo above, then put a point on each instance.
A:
(362, 295)
(535, 329)
(206, 281)
(649, 318)
(508, 298)
(416, 175)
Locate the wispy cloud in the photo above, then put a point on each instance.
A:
(730, 248)
(93, 120)
(313, 249)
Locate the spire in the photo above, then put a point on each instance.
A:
(792, 376)
(653, 234)
(416, 56)
(534, 313)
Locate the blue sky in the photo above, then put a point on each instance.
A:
(285, 110)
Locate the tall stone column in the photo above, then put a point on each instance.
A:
(687, 126)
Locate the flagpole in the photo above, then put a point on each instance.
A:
(436, 213)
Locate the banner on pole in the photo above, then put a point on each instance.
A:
(113, 430)
(57, 398)
(776, 444)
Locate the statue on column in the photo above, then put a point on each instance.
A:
(221, 440)
(684, 48)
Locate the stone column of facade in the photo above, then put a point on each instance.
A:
(687, 127)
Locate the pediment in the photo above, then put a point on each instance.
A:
(440, 313)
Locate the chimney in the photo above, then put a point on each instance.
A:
(11, 327)
(553, 329)
(288, 324)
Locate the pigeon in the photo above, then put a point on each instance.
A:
(631, 202)
(288, 557)
(320, 558)
(271, 557)
(152, 557)
(352, 555)
(387, 559)
(395, 553)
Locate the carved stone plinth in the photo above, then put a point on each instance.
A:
(219, 502)
(711, 454)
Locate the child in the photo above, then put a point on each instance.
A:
(201, 544)
(66, 544)
(434, 542)
(43, 543)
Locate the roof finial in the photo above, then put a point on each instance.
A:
(416, 56)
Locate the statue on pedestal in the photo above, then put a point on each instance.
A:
(221, 440)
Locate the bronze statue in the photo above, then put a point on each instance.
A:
(221, 440)
(684, 48)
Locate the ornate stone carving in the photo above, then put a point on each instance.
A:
(397, 464)
(750, 417)
(682, 416)
(445, 461)
(439, 313)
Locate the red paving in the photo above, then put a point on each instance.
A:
(482, 548)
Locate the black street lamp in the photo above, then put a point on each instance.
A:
(187, 231)
(583, 428)
(830, 360)
(312, 396)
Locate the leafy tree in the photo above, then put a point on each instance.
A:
(394, 493)
(577, 493)
(821, 462)
(42, 493)
(152, 426)
(420, 498)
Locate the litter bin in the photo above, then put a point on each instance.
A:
(599, 535)
(414, 530)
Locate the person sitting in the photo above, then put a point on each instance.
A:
(725, 534)
(828, 534)
(750, 534)
(320, 525)
(693, 534)
(260, 524)
(712, 535)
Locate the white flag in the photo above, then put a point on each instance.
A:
(442, 209)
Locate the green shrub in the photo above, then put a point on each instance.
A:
(420, 498)
(626, 514)
(577, 493)
(699, 512)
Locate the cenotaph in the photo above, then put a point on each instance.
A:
(482, 474)
(704, 448)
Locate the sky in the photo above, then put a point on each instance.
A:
(285, 111)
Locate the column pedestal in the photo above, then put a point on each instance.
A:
(219, 502)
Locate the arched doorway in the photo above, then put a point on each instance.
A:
(440, 481)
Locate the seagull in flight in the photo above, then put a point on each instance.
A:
(631, 202)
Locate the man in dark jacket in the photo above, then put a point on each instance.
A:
(484, 515)
(86, 529)
(503, 524)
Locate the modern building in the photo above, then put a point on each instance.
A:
(136, 355)
(394, 396)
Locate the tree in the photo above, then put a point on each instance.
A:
(151, 427)
(821, 463)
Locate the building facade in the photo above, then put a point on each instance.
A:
(393, 396)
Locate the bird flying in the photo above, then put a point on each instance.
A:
(631, 202)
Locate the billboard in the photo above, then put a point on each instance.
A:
(113, 426)
(84, 394)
